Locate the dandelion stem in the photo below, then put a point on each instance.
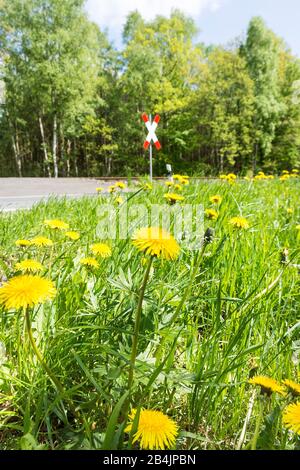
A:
(246, 422)
(184, 297)
(39, 354)
(137, 323)
(258, 423)
(190, 284)
(137, 326)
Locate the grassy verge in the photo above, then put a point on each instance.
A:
(240, 318)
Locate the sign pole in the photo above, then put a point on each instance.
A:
(150, 150)
(151, 126)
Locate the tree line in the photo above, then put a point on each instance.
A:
(71, 103)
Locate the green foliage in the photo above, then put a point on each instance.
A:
(70, 104)
(267, 437)
(51, 71)
(285, 150)
(262, 52)
(224, 109)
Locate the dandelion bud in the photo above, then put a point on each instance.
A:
(209, 235)
(284, 256)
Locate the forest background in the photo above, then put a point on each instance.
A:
(71, 103)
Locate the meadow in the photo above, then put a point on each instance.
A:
(131, 344)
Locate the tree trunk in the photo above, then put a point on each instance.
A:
(75, 158)
(17, 156)
(15, 147)
(62, 149)
(46, 159)
(221, 163)
(87, 157)
(254, 160)
(68, 157)
(108, 165)
(54, 146)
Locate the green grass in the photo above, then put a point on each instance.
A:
(241, 317)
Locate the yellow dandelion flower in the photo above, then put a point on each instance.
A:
(178, 187)
(72, 235)
(169, 183)
(267, 385)
(56, 224)
(295, 171)
(120, 185)
(285, 172)
(111, 189)
(119, 200)
(101, 249)
(181, 179)
(147, 186)
(211, 214)
(215, 199)
(290, 210)
(231, 177)
(223, 177)
(239, 222)
(22, 243)
(292, 387)
(155, 430)
(41, 241)
(172, 198)
(291, 417)
(91, 262)
(26, 291)
(260, 177)
(155, 241)
(29, 265)
(99, 190)
(144, 261)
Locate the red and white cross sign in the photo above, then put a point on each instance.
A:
(151, 131)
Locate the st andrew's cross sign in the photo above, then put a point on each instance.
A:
(151, 126)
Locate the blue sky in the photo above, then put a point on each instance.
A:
(219, 21)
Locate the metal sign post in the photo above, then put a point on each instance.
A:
(151, 126)
(150, 152)
(169, 172)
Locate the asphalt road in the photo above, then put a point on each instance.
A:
(23, 193)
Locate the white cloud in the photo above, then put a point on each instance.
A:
(111, 14)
